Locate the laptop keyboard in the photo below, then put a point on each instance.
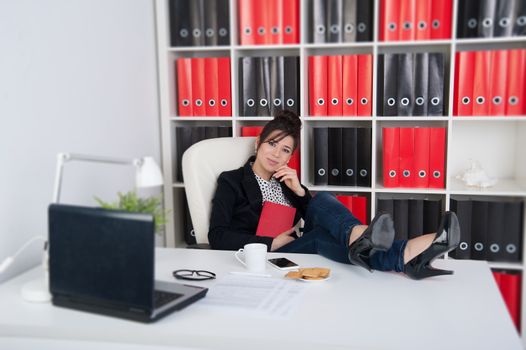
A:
(161, 298)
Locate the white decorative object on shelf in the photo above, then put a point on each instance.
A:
(475, 176)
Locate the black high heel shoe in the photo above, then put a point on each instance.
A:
(378, 236)
(447, 238)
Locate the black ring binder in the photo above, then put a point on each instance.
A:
(511, 248)
(505, 22)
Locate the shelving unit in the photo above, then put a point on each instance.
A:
(498, 143)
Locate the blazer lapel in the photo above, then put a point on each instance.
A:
(251, 187)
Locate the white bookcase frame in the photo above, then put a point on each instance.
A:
(509, 133)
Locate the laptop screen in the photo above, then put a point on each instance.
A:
(101, 256)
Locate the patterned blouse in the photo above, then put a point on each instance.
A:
(271, 191)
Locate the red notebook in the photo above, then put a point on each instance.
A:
(275, 219)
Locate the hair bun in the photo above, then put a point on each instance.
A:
(290, 118)
(287, 123)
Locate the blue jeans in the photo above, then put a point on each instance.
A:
(328, 225)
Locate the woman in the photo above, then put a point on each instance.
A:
(330, 229)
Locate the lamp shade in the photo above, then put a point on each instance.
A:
(148, 173)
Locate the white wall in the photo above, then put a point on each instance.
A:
(75, 76)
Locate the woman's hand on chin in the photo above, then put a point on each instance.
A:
(289, 176)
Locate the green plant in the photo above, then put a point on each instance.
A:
(131, 202)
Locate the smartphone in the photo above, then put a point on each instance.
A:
(283, 263)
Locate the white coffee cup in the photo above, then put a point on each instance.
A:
(254, 256)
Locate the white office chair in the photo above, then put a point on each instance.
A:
(202, 164)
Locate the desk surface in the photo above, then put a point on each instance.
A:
(355, 309)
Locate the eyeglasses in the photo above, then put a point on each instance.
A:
(194, 275)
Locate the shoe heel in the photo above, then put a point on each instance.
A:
(358, 261)
(425, 272)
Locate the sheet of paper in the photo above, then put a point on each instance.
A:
(265, 297)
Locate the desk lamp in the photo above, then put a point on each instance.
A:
(147, 174)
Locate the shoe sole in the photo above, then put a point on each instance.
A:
(383, 233)
(454, 226)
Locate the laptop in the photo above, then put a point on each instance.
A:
(102, 261)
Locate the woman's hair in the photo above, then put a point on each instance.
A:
(287, 122)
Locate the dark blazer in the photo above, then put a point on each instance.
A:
(236, 208)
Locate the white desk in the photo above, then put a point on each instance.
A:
(353, 310)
